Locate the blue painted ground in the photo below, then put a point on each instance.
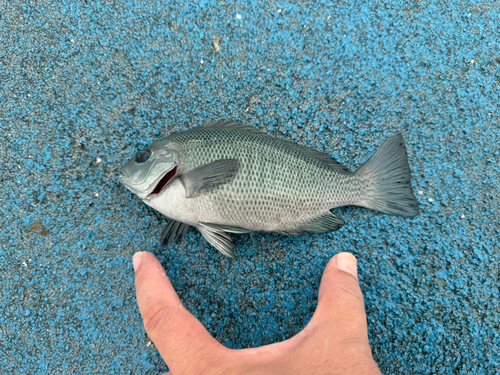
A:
(83, 84)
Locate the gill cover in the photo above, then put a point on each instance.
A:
(144, 171)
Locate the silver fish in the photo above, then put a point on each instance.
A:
(228, 177)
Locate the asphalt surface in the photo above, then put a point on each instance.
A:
(84, 84)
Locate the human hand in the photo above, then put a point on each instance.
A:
(335, 341)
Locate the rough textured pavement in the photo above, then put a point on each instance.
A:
(83, 84)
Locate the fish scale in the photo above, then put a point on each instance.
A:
(227, 177)
(277, 188)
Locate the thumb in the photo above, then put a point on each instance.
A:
(341, 309)
(177, 334)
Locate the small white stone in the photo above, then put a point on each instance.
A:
(279, 10)
(329, 17)
(238, 16)
(148, 344)
(72, 41)
(473, 61)
(24, 264)
(98, 160)
(420, 192)
(202, 61)
(430, 200)
(462, 217)
(96, 194)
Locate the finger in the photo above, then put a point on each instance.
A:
(341, 308)
(337, 333)
(183, 342)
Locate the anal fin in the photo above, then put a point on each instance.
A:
(321, 224)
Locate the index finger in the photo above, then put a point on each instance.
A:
(185, 345)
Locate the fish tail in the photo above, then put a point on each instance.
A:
(387, 180)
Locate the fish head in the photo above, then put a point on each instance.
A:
(150, 170)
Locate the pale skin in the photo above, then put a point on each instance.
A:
(335, 341)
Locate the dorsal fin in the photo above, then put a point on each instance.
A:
(325, 158)
(230, 124)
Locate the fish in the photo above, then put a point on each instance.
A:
(227, 177)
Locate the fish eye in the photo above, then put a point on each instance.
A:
(142, 156)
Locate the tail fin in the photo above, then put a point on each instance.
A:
(388, 179)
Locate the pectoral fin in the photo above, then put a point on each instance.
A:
(218, 239)
(209, 176)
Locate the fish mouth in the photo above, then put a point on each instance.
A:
(162, 184)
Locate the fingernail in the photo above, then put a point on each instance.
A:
(136, 260)
(347, 262)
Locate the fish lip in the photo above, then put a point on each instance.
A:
(123, 173)
(121, 178)
(134, 188)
